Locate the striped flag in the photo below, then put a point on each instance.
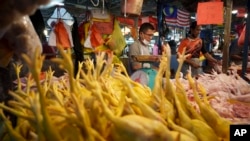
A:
(170, 13)
(178, 17)
(183, 18)
(171, 21)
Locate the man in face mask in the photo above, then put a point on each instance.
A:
(141, 46)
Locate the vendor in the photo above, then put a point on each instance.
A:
(194, 47)
(141, 46)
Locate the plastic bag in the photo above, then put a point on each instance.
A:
(104, 27)
(83, 30)
(95, 37)
(116, 41)
(100, 14)
(87, 42)
(95, 41)
(63, 36)
(102, 20)
(241, 39)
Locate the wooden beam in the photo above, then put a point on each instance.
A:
(227, 30)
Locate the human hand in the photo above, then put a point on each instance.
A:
(166, 50)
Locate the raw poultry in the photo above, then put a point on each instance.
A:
(17, 37)
(111, 106)
(228, 94)
(17, 34)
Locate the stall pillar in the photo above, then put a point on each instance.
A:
(227, 28)
(160, 23)
(246, 44)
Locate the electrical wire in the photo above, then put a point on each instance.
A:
(97, 3)
(125, 8)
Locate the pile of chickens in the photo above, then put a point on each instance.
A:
(228, 94)
(102, 103)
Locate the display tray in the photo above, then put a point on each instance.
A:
(146, 58)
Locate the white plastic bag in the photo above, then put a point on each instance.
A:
(100, 14)
(87, 42)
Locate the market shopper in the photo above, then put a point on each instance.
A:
(195, 48)
(141, 46)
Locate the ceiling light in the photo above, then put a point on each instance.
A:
(234, 11)
(45, 32)
(245, 16)
(192, 17)
(53, 3)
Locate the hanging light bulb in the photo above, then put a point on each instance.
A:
(234, 11)
(53, 3)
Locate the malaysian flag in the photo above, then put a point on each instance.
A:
(170, 13)
(183, 18)
(178, 17)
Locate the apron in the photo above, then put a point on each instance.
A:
(194, 71)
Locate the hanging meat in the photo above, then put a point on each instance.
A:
(17, 34)
(11, 10)
(20, 38)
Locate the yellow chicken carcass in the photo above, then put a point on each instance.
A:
(171, 113)
(198, 127)
(181, 94)
(129, 127)
(88, 106)
(147, 111)
(133, 127)
(143, 92)
(220, 125)
(11, 133)
(181, 137)
(183, 131)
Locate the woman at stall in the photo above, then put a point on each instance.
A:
(194, 48)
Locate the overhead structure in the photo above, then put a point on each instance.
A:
(227, 30)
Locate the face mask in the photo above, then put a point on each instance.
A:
(145, 42)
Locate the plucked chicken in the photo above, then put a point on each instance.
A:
(17, 34)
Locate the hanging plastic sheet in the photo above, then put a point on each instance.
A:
(117, 41)
(61, 34)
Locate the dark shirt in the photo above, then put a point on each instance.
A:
(234, 49)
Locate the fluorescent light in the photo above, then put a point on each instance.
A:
(245, 15)
(45, 32)
(53, 3)
(156, 34)
(234, 11)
